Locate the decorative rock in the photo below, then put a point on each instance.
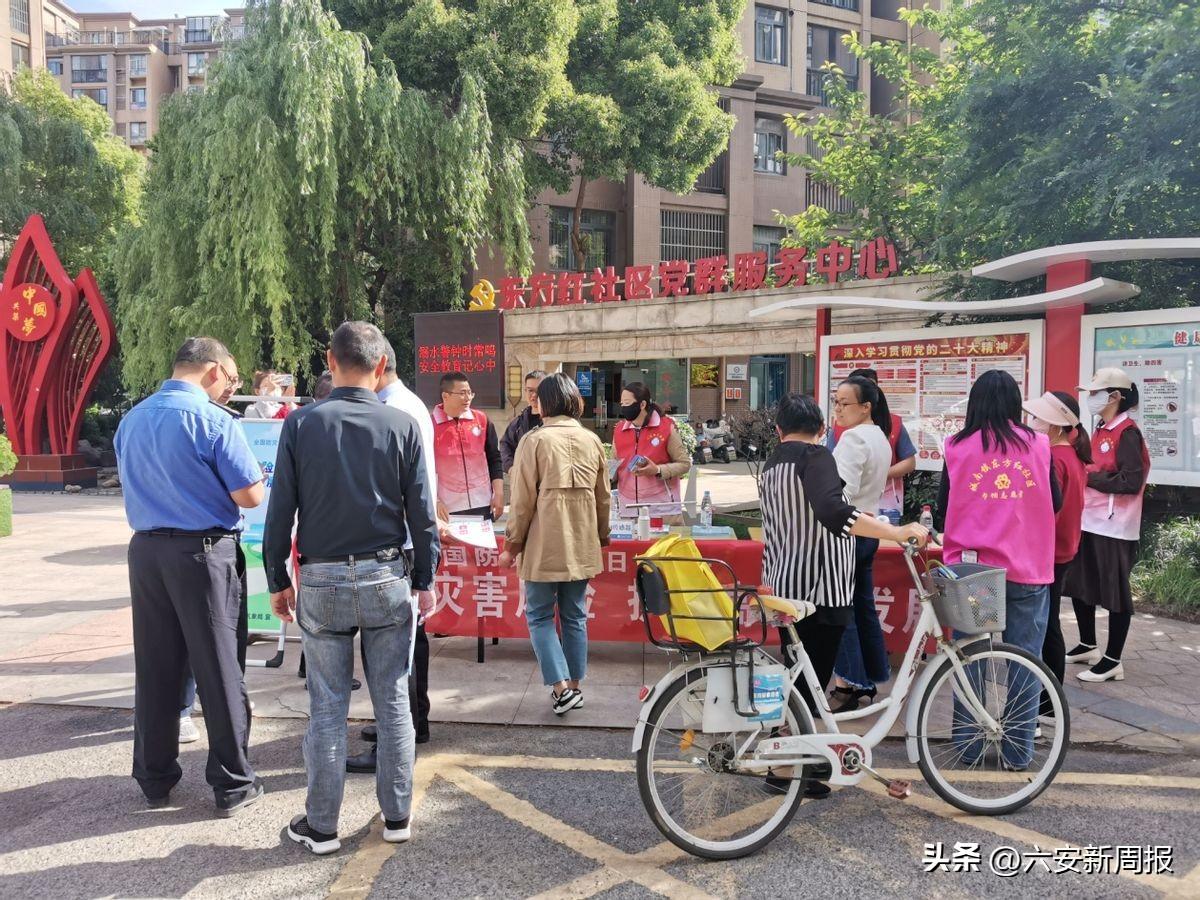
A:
(72, 489)
(111, 482)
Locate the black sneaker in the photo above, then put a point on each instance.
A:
(158, 802)
(566, 701)
(370, 733)
(318, 842)
(422, 737)
(396, 832)
(231, 805)
(363, 763)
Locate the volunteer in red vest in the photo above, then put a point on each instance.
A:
(1112, 523)
(651, 456)
(1056, 415)
(998, 497)
(470, 477)
(904, 453)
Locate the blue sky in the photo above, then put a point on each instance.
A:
(154, 9)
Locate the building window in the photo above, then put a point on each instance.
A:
(197, 63)
(137, 64)
(768, 239)
(54, 66)
(199, 29)
(770, 35)
(89, 69)
(692, 235)
(770, 138)
(20, 56)
(137, 133)
(825, 45)
(137, 98)
(768, 381)
(851, 5)
(99, 95)
(18, 16)
(595, 224)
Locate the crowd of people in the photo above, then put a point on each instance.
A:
(367, 479)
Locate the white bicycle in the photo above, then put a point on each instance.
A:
(725, 740)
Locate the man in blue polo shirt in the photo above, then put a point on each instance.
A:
(185, 471)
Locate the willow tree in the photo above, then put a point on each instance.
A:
(276, 198)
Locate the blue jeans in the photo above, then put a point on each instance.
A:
(1026, 610)
(334, 600)
(862, 658)
(188, 700)
(565, 658)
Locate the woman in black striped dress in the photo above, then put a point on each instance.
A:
(807, 528)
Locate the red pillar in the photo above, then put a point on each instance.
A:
(1064, 327)
(820, 332)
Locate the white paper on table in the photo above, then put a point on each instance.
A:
(474, 530)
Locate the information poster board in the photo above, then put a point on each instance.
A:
(263, 437)
(468, 342)
(1160, 350)
(927, 373)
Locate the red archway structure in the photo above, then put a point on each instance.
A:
(58, 334)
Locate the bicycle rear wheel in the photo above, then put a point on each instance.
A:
(689, 783)
(979, 770)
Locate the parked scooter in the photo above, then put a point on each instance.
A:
(720, 440)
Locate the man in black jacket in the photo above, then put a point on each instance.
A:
(529, 419)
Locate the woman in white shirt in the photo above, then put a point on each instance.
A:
(863, 457)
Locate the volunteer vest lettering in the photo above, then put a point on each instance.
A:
(1001, 507)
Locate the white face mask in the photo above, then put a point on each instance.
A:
(1038, 425)
(1096, 402)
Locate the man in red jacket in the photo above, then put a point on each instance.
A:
(470, 475)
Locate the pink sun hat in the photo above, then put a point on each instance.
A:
(1050, 409)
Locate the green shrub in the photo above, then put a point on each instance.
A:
(8, 459)
(1167, 573)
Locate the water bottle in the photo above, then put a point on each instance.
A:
(614, 509)
(643, 524)
(926, 519)
(706, 510)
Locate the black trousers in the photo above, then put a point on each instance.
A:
(821, 643)
(186, 610)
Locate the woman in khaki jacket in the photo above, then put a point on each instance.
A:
(557, 523)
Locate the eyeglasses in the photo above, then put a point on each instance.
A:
(234, 381)
(530, 392)
(466, 395)
(838, 404)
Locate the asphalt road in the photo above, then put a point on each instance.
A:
(519, 812)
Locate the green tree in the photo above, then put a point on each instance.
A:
(286, 197)
(59, 158)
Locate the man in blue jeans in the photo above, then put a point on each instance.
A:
(353, 471)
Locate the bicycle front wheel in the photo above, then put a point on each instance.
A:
(690, 783)
(978, 767)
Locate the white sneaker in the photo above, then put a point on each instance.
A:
(398, 834)
(1084, 654)
(188, 732)
(1116, 673)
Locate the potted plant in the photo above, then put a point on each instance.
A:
(8, 462)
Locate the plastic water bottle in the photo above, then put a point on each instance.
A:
(706, 510)
(926, 519)
(614, 509)
(643, 524)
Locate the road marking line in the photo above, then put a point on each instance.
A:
(1096, 779)
(525, 813)
(359, 874)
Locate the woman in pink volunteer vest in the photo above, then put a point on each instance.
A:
(1112, 523)
(998, 497)
(650, 454)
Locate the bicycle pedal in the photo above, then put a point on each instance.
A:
(899, 790)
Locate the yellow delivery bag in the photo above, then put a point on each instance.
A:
(700, 594)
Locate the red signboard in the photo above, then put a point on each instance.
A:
(711, 275)
(470, 343)
(476, 597)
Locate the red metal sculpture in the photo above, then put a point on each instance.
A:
(57, 336)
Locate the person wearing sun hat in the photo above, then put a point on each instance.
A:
(1112, 522)
(1056, 415)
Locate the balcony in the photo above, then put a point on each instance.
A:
(825, 196)
(89, 76)
(198, 36)
(145, 37)
(712, 179)
(851, 5)
(817, 84)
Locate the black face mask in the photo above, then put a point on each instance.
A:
(631, 411)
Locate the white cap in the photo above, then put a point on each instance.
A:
(1108, 379)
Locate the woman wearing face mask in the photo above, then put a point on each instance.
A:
(1112, 521)
(651, 455)
(1056, 415)
(268, 385)
(863, 456)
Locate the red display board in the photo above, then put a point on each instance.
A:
(478, 598)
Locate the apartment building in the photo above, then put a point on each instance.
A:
(127, 65)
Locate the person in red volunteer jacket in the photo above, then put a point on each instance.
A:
(1112, 524)
(649, 436)
(1056, 415)
(470, 476)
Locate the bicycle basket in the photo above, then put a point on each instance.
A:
(974, 602)
(699, 609)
